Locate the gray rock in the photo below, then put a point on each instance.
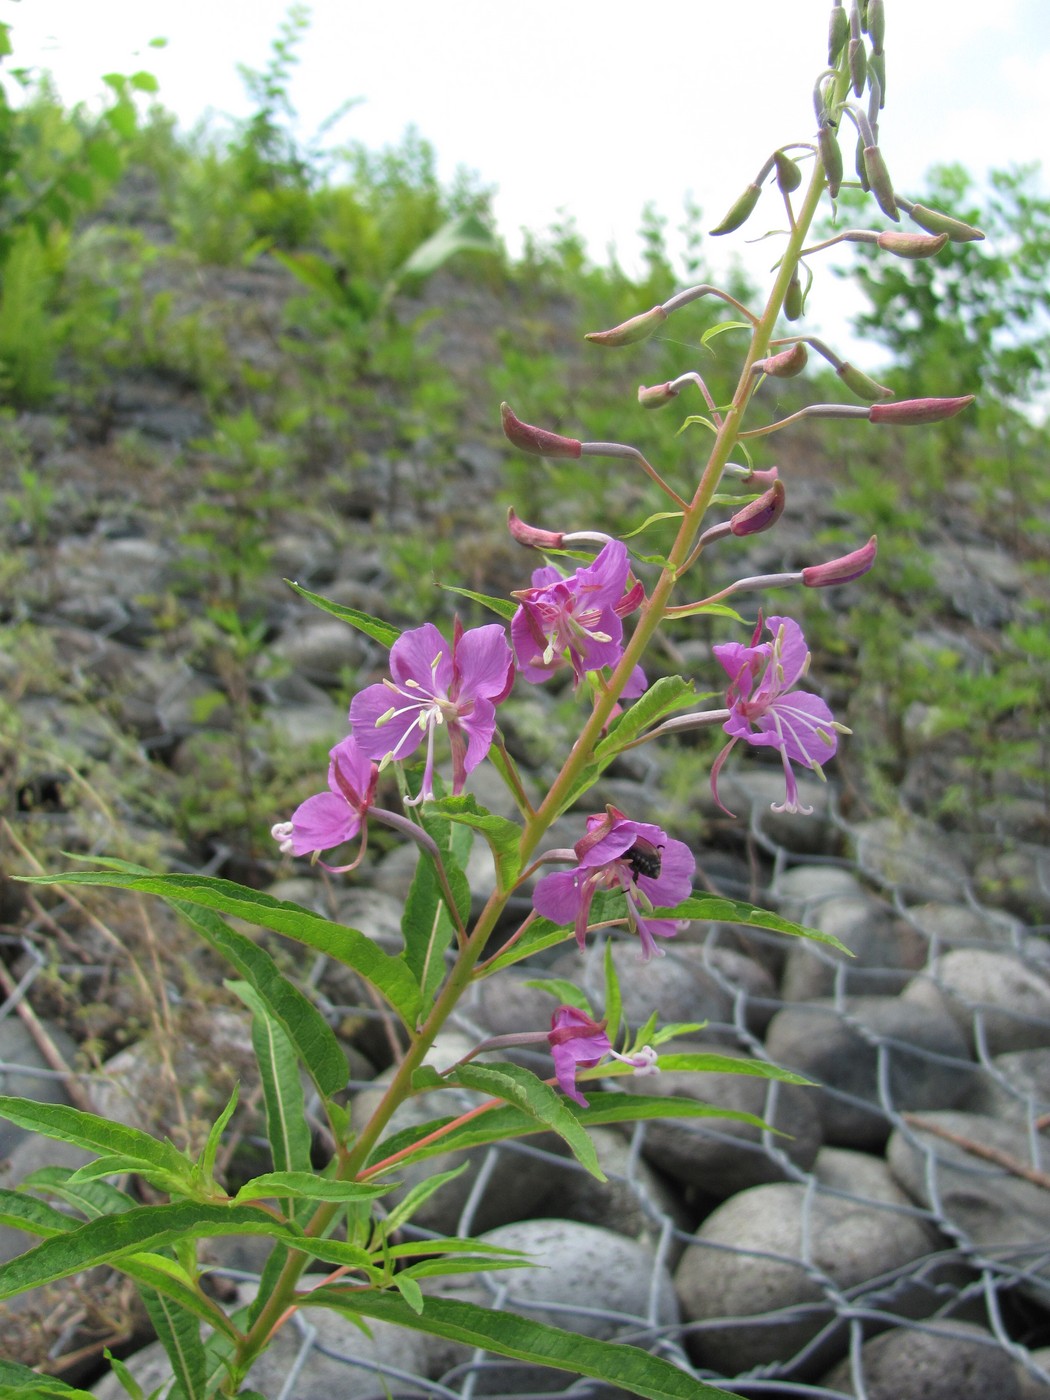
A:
(755, 1276)
(885, 952)
(718, 1156)
(584, 1279)
(840, 1047)
(943, 1360)
(995, 998)
(1031, 1385)
(960, 925)
(322, 650)
(677, 985)
(913, 856)
(1015, 1090)
(1005, 1216)
(799, 891)
(1018, 879)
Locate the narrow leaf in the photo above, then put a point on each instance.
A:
(286, 1126)
(421, 1192)
(502, 607)
(306, 1186)
(97, 1134)
(625, 1367)
(713, 909)
(426, 922)
(522, 1088)
(16, 1381)
(465, 234)
(503, 836)
(179, 1334)
(91, 1198)
(349, 946)
(21, 1212)
(382, 632)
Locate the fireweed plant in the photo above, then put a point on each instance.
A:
(590, 611)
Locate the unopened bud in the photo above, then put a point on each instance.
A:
(761, 475)
(630, 332)
(858, 162)
(875, 24)
(831, 155)
(789, 176)
(877, 72)
(537, 441)
(838, 33)
(879, 181)
(656, 395)
(907, 411)
(793, 299)
(740, 212)
(761, 513)
(933, 221)
(861, 384)
(531, 535)
(786, 364)
(843, 570)
(911, 245)
(858, 66)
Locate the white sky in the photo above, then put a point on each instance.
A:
(591, 106)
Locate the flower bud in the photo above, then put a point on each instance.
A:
(860, 383)
(656, 395)
(858, 161)
(630, 332)
(537, 441)
(843, 570)
(838, 33)
(761, 513)
(875, 24)
(789, 176)
(794, 302)
(740, 212)
(911, 245)
(933, 221)
(879, 181)
(531, 535)
(831, 155)
(877, 71)
(786, 364)
(858, 66)
(908, 411)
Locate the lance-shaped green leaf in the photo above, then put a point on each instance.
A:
(382, 632)
(306, 1186)
(522, 1088)
(426, 922)
(91, 1198)
(179, 1333)
(713, 909)
(286, 1127)
(21, 1212)
(159, 1162)
(625, 1367)
(389, 975)
(18, 1381)
(464, 234)
(503, 836)
(504, 608)
(111, 1238)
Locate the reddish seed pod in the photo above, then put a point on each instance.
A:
(761, 513)
(911, 245)
(537, 441)
(907, 411)
(786, 364)
(631, 331)
(843, 570)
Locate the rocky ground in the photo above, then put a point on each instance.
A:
(891, 1231)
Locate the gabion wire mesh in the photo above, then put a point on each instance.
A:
(1002, 1285)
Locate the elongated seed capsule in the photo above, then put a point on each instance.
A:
(877, 70)
(843, 570)
(838, 33)
(911, 245)
(760, 514)
(875, 24)
(793, 299)
(740, 212)
(789, 176)
(858, 66)
(537, 441)
(861, 384)
(909, 411)
(879, 181)
(656, 395)
(858, 161)
(631, 331)
(933, 221)
(785, 364)
(831, 155)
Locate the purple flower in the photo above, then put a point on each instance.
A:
(765, 710)
(578, 1042)
(330, 818)
(579, 615)
(435, 684)
(651, 869)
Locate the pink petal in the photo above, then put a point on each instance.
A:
(412, 657)
(484, 664)
(321, 823)
(395, 734)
